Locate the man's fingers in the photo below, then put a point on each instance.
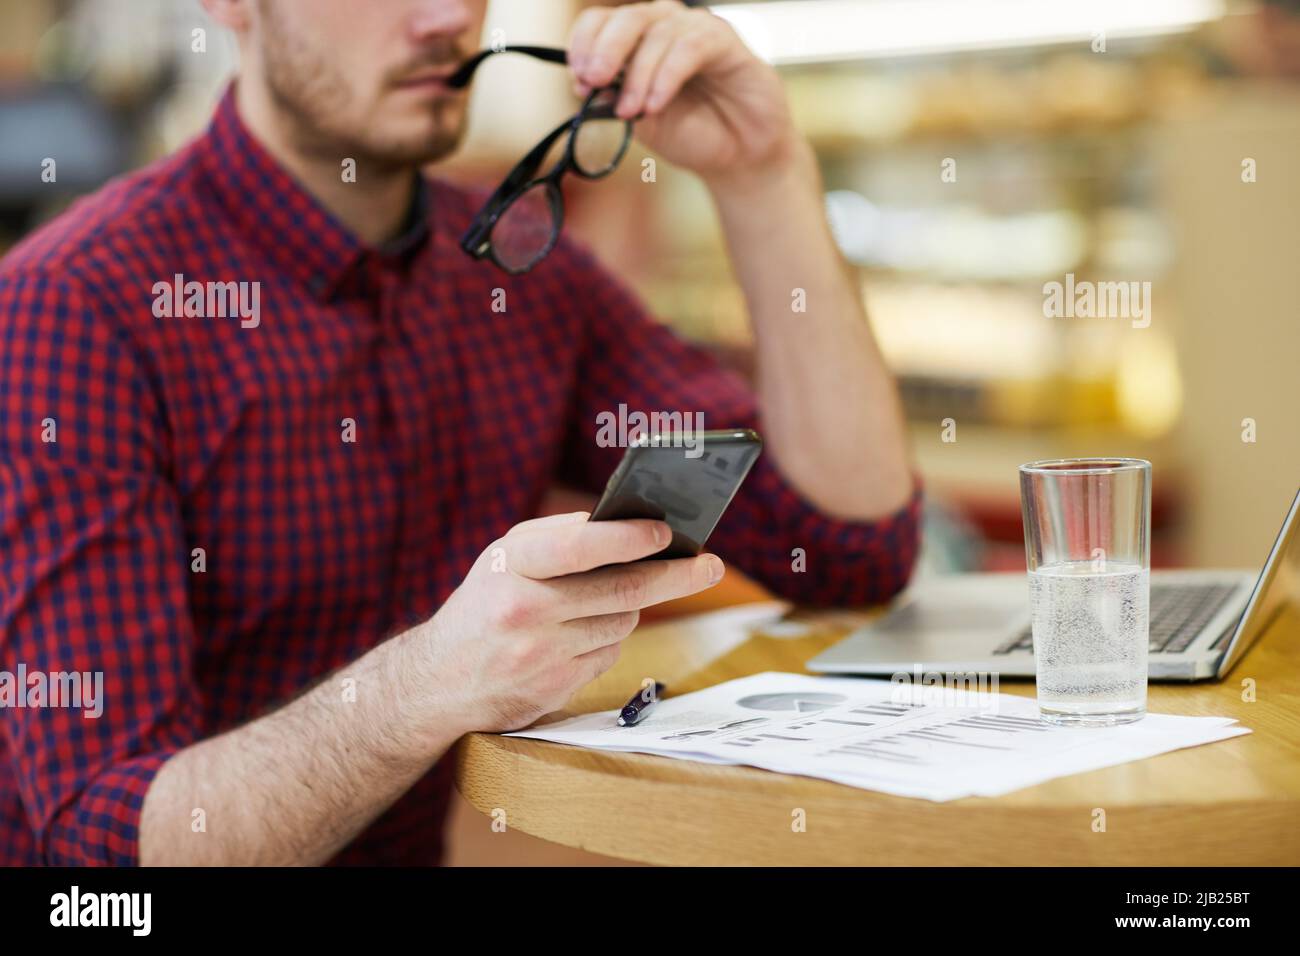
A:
(639, 74)
(618, 37)
(550, 521)
(612, 46)
(689, 51)
(583, 35)
(594, 663)
(635, 586)
(589, 633)
(571, 548)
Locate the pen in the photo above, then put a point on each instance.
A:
(640, 704)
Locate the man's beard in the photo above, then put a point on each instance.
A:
(311, 95)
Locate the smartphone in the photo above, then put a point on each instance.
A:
(687, 487)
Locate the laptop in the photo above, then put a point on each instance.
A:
(1201, 622)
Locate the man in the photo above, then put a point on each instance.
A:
(296, 541)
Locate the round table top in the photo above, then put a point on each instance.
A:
(1233, 802)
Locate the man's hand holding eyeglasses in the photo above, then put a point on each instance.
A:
(704, 101)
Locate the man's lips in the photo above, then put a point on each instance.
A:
(427, 79)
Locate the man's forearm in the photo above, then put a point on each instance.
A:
(831, 414)
(294, 786)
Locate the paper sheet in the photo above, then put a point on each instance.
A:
(927, 742)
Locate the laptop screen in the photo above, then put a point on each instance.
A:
(1276, 592)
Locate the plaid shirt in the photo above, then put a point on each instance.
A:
(173, 434)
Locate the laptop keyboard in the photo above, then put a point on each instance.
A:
(1179, 612)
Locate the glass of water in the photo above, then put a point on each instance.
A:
(1087, 544)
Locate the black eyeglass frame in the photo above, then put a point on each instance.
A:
(477, 240)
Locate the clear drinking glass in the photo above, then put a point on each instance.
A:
(1087, 545)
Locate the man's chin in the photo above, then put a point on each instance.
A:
(413, 150)
(419, 137)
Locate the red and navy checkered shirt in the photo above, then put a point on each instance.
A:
(129, 440)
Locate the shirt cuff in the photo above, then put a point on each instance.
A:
(102, 827)
(844, 562)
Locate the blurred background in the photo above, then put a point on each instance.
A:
(972, 151)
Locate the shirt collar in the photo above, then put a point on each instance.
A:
(291, 226)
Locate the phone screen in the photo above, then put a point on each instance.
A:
(688, 488)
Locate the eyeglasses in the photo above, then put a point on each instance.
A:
(521, 221)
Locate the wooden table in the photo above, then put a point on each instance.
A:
(1233, 802)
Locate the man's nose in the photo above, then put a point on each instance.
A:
(437, 18)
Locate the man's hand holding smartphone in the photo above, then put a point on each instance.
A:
(545, 609)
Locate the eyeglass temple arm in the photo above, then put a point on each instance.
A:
(466, 70)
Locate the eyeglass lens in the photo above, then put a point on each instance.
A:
(527, 228)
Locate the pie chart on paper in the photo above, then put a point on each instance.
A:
(797, 703)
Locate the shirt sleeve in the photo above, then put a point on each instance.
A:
(770, 531)
(93, 570)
